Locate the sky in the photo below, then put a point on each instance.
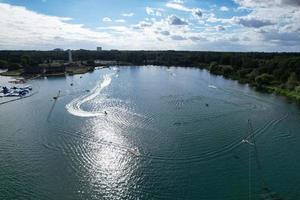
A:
(201, 25)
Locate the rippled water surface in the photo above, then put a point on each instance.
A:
(169, 133)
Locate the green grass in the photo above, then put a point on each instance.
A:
(285, 92)
(18, 72)
(78, 70)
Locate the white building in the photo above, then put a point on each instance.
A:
(70, 56)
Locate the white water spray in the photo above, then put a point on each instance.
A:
(74, 107)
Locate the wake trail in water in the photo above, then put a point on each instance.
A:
(74, 107)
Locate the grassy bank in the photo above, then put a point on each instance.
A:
(78, 70)
(18, 72)
(291, 95)
(69, 70)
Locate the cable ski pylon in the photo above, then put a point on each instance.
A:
(266, 193)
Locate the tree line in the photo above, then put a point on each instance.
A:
(256, 68)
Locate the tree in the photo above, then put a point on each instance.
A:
(13, 66)
(264, 79)
(292, 81)
(297, 89)
(214, 68)
(227, 70)
(25, 60)
(90, 62)
(3, 64)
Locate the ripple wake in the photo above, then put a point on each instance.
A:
(74, 107)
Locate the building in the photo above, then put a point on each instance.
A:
(70, 56)
(99, 48)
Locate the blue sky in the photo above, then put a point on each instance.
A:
(226, 25)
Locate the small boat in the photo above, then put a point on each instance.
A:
(56, 97)
(212, 86)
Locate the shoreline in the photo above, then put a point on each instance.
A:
(289, 95)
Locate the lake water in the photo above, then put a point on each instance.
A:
(169, 133)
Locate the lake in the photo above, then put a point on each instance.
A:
(147, 133)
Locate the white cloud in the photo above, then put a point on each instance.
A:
(127, 14)
(165, 32)
(25, 29)
(197, 12)
(174, 20)
(224, 8)
(179, 5)
(154, 11)
(220, 28)
(177, 37)
(106, 19)
(267, 3)
(120, 21)
(252, 22)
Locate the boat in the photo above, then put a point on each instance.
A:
(15, 91)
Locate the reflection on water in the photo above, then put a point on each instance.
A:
(167, 134)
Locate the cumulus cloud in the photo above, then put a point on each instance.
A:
(267, 3)
(154, 11)
(179, 5)
(106, 19)
(259, 29)
(197, 12)
(282, 39)
(120, 21)
(127, 14)
(224, 8)
(142, 25)
(21, 28)
(197, 38)
(291, 2)
(177, 37)
(220, 28)
(174, 20)
(252, 22)
(165, 32)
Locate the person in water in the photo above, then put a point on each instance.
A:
(247, 141)
(105, 112)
